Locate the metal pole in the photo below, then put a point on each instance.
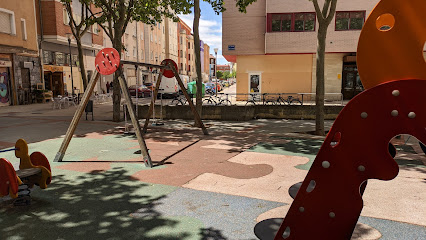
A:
(72, 78)
(215, 70)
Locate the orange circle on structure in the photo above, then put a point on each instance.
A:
(385, 22)
(385, 55)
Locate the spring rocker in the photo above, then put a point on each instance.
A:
(392, 69)
(33, 170)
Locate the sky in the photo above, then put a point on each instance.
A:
(210, 29)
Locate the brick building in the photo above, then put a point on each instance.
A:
(223, 68)
(54, 31)
(19, 61)
(274, 44)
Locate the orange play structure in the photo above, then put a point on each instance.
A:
(33, 170)
(393, 70)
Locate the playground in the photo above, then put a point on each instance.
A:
(201, 187)
(258, 179)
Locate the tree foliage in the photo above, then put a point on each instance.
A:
(113, 16)
(219, 74)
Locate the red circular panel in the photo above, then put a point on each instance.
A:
(107, 61)
(169, 73)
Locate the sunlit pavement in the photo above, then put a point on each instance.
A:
(201, 187)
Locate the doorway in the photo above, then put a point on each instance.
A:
(4, 87)
(351, 82)
(54, 82)
(254, 83)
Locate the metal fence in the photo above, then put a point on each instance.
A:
(228, 99)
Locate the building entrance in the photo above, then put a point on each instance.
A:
(351, 82)
(54, 82)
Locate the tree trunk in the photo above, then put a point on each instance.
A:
(199, 100)
(116, 94)
(81, 63)
(320, 84)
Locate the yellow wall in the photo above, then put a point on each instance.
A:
(22, 9)
(279, 73)
(78, 82)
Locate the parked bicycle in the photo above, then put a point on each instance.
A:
(290, 100)
(180, 100)
(217, 100)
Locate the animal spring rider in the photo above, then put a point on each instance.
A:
(33, 170)
(392, 69)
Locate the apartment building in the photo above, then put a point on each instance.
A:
(212, 72)
(134, 40)
(274, 44)
(206, 64)
(223, 68)
(171, 39)
(184, 33)
(19, 53)
(54, 32)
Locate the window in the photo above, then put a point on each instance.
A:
(23, 29)
(66, 17)
(59, 58)
(189, 45)
(292, 22)
(95, 28)
(48, 57)
(350, 20)
(142, 53)
(7, 22)
(75, 60)
(189, 68)
(141, 35)
(189, 57)
(66, 59)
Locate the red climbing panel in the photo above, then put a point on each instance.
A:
(107, 61)
(329, 202)
(8, 179)
(332, 208)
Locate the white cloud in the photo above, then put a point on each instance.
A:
(210, 33)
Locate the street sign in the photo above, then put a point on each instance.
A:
(231, 47)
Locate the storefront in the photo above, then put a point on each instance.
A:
(54, 79)
(5, 83)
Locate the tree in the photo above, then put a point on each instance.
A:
(219, 74)
(218, 7)
(324, 18)
(78, 29)
(115, 15)
(226, 75)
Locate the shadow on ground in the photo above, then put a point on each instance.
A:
(98, 205)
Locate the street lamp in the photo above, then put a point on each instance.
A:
(215, 67)
(72, 78)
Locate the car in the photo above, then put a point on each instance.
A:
(150, 86)
(143, 91)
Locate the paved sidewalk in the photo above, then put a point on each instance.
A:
(201, 187)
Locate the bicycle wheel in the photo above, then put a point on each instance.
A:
(295, 101)
(208, 102)
(176, 102)
(250, 103)
(225, 102)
